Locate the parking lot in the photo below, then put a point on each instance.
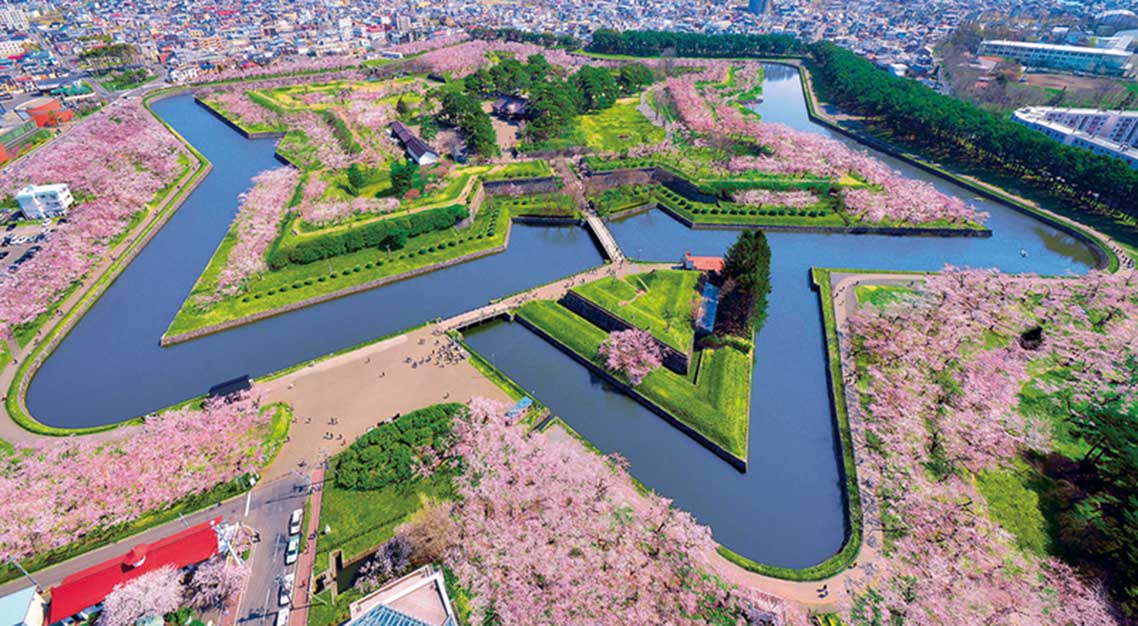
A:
(22, 240)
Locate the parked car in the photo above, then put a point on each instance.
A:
(284, 596)
(12, 226)
(293, 550)
(282, 617)
(294, 522)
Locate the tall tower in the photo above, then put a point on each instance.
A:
(758, 7)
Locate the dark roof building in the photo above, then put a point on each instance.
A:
(509, 107)
(418, 149)
(231, 387)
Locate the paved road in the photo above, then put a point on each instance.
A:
(230, 510)
(268, 516)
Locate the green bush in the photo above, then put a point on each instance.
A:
(382, 234)
(386, 454)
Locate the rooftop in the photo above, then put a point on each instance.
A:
(417, 598)
(14, 606)
(91, 586)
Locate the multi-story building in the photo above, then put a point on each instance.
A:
(1109, 61)
(11, 47)
(1113, 133)
(13, 18)
(38, 202)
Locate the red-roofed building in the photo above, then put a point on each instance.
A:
(703, 263)
(91, 586)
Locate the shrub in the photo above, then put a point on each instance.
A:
(389, 454)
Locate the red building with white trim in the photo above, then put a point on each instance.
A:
(91, 586)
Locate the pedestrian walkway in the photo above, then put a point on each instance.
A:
(302, 593)
(601, 232)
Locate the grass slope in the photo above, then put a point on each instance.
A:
(660, 302)
(295, 283)
(716, 404)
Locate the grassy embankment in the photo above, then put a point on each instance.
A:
(714, 400)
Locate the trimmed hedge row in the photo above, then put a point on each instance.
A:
(389, 233)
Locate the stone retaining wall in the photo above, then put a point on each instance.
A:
(522, 186)
(673, 359)
(169, 340)
(731, 459)
(688, 190)
(230, 123)
(900, 231)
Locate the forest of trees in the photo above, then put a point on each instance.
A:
(654, 43)
(547, 40)
(554, 99)
(745, 285)
(916, 114)
(465, 112)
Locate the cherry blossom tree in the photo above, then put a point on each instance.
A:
(631, 352)
(152, 594)
(257, 225)
(58, 491)
(765, 197)
(550, 533)
(114, 162)
(939, 377)
(215, 582)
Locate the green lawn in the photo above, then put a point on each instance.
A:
(612, 202)
(324, 612)
(536, 168)
(539, 205)
(1013, 497)
(716, 404)
(363, 519)
(299, 282)
(661, 302)
(618, 128)
(881, 295)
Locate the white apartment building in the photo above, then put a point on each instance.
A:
(1113, 133)
(12, 18)
(11, 47)
(39, 202)
(1110, 61)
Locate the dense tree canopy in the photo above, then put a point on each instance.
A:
(465, 112)
(653, 43)
(548, 40)
(746, 283)
(915, 113)
(597, 87)
(633, 77)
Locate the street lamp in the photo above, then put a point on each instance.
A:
(23, 571)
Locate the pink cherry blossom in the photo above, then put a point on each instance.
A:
(114, 162)
(57, 491)
(550, 533)
(152, 594)
(257, 225)
(938, 380)
(631, 352)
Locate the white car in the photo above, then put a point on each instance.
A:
(284, 596)
(293, 551)
(282, 617)
(294, 522)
